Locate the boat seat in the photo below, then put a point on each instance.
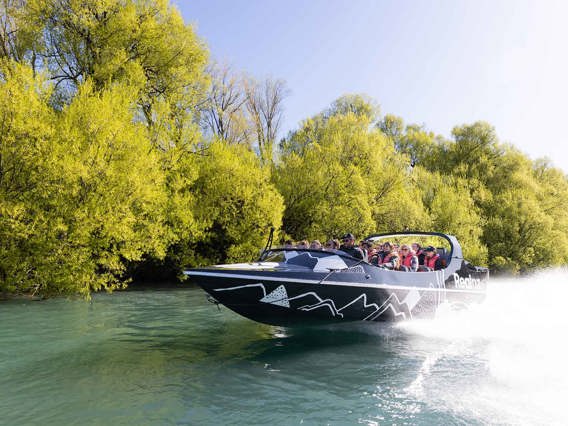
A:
(444, 255)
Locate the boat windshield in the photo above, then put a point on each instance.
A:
(335, 259)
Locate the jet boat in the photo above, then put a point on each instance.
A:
(289, 287)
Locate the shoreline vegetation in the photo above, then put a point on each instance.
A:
(127, 154)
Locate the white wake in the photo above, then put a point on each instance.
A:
(502, 362)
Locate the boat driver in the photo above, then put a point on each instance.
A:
(349, 247)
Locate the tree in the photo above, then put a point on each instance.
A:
(264, 103)
(82, 191)
(393, 127)
(337, 173)
(224, 114)
(452, 210)
(120, 41)
(235, 206)
(26, 173)
(358, 104)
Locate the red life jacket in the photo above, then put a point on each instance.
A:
(407, 260)
(430, 262)
(388, 257)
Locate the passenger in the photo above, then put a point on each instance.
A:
(391, 259)
(419, 252)
(348, 247)
(432, 261)
(303, 245)
(408, 259)
(315, 245)
(364, 249)
(379, 254)
(332, 245)
(371, 250)
(289, 254)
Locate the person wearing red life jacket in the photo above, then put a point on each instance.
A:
(432, 261)
(408, 259)
(390, 259)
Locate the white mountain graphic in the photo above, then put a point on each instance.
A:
(277, 297)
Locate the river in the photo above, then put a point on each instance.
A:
(169, 357)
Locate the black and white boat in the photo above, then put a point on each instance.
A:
(290, 287)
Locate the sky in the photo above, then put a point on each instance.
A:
(437, 63)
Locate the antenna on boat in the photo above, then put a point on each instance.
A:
(268, 243)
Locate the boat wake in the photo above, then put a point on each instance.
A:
(503, 360)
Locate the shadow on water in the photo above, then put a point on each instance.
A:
(299, 341)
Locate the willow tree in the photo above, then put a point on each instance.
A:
(224, 115)
(264, 104)
(81, 189)
(26, 173)
(235, 206)
(339, 174)
(144, 43)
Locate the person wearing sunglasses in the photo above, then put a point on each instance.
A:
(349, 247)
(408, 259)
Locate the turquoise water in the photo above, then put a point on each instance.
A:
(169, 357)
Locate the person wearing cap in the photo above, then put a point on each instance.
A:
(432, 261)
(348, 246)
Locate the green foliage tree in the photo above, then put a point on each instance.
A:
(235, 205)
(508, 190)
(337, 173)
(452, 210)
(143, 43)
(27, 129)
(82, 190)
(360, 105)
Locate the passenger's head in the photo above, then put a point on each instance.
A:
(315, 245)
(387, 247)
(289, 244)
(348, 240)
(416, 247)
(303, 244)
(406, 250)
(430, 251)
(331, 245)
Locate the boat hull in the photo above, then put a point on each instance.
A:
(290, 299)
